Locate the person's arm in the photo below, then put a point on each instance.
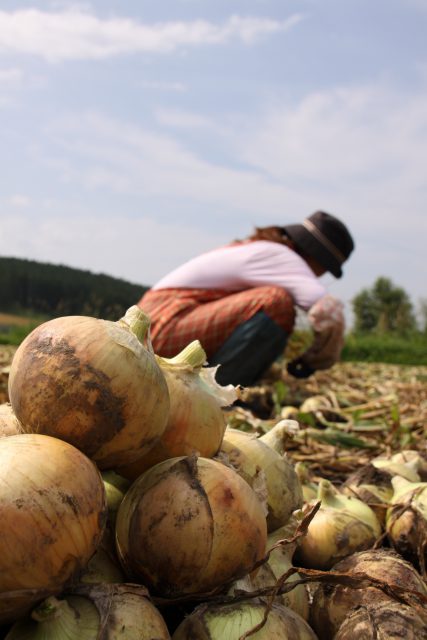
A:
(327, 320)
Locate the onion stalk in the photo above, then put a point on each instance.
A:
(341, 526)
(189, 525)
(250, 456)
(92, 383)
(196, 422)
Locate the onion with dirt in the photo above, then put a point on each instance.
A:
(92, 383)
(53, 512)
(116, 612)
(189, 525)
(332, 603)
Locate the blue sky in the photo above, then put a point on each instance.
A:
(134, 135)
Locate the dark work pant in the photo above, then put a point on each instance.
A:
(249, 351)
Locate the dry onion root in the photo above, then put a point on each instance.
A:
(189, 525)
(331, 604)
(53, 507)
(91, 613)
(196, 422)
(232, 622)
(389, 620)
(92, 383)
(250, 457)
(341, 526)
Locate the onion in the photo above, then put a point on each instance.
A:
(250, 456)
(52, 502)
(196, 422)
(372, 486)
(189, 525)
(278, 563)
(414, 457)
(93, 384)
(9, 423)
(389, 620)
(331, 604)
(231, 622)
(93, 613)
(340, 527)
(115, 489)
(407, 470)
(406, 520)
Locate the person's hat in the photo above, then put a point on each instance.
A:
(324, 238)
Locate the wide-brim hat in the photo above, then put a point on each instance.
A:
(325, 238)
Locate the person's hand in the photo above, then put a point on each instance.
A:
(299, 369)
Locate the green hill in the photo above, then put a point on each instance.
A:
(28, 287)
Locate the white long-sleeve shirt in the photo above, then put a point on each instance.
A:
(263, 263)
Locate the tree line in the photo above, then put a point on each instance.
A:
(386, 308)
(55, 290)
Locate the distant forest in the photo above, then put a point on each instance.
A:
(56, 290)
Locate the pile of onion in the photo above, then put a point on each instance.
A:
(232, 622)
(406, 520)
(196, 422)
(101, 611)
(341, 526)
(92, 383)
(189, 525)
(53, 509)
(332, 603)
(250, 456)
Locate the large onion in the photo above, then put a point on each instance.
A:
(53, 510)
(341, 526)
(250, 456)
(189, 525)
(196, 422)
(384, 620)
(92, 383)
(231, 622)
(332, 603)
(94, 613)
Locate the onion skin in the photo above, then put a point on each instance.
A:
(189, 525)
(91, 383)
(331, 604)
(389, 620)
(248, 455)
(230, 622)
(9, 423)
(53, 508)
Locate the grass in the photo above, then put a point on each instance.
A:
(387, 348)
(14, 328)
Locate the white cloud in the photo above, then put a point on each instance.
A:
(10, 78)
(19, 201)
(139, 250)
(76, 34)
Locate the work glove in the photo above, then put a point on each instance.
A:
(299, 369)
